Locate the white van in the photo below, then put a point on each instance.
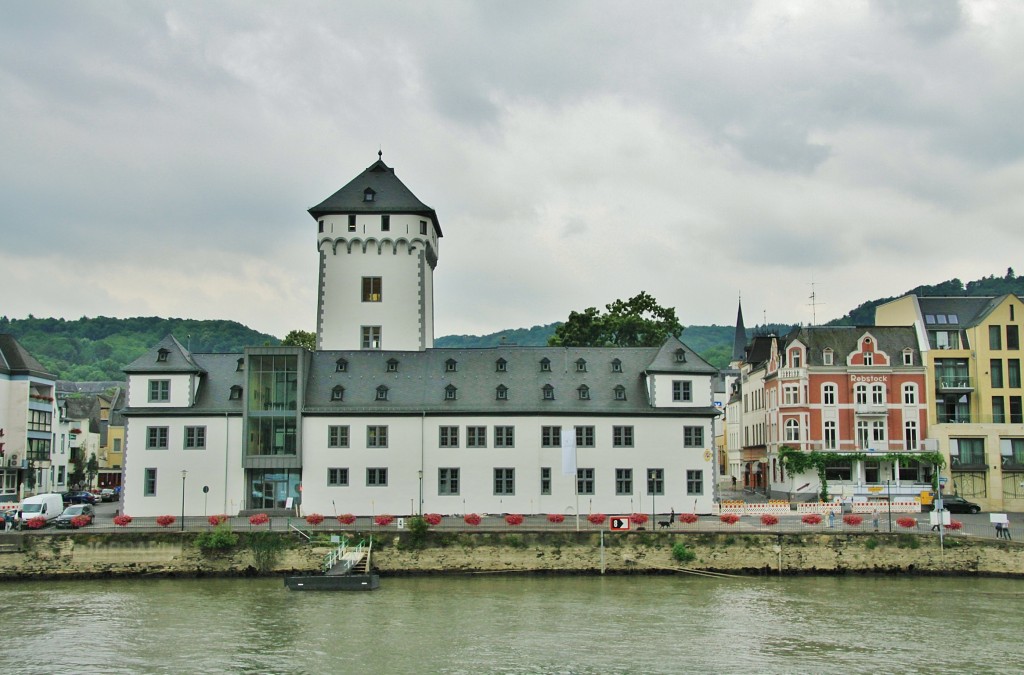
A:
(48, 506)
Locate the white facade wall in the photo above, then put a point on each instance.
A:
(181, 394)
(701, 388)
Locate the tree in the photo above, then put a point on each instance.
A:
(637, 322)
(92, 468)
(300, 338)
(76, 470)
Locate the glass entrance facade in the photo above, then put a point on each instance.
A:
(271, 488)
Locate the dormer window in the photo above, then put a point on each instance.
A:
(236, 393)
(584, 392)
(620, 393)
(451, 365)
(369, 195)
(392, 366)
(161, 354)
(501, 393)
(548, 392)
(908, 357)
(341, 366)
(338, 393)
(545, 365)
(680, 355)
(795, 358)
(450, 392)
(616, 366)
(827, 357)
(501, 366)
(869, 359)
(240, 366)
(382, 393)
(581, 366)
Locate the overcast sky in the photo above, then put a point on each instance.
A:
(158, 159)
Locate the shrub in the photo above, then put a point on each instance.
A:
(907, 541)
(122, 521)
(954, 525)
(418, 527)
(852, 519)
(218, 519)
(871, 543)
(314, 519)
(514, 519)
(907, 522)
(556, 518)
(683, 553)
(259, 519)
(596, 518)
(472, 519)
(639, 518)
(433, 519)
(81, 521)
(346, 519)
(265, 547)
(219, 538)
(384, 519)
(811, 519)
(729, 518)
(164, 521)
(688, 518)
(769, 519)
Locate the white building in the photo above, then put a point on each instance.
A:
(378, 421)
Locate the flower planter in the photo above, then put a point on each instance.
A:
(346, 519)
(954, 525)
(907, 523)
(811, 519)
(769, 520)
(384, 520)
(852, 520)
(596, 518)
(514, 519)
(688, 518)
(165, 521)
(639, 518)
(433, 519)
(556, 518)
(472, 519)
(314, 519)
(259, 519)
(729, 518)
(122, 521)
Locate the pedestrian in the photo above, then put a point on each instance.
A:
(1006, 529)
(672, 516)
(831, 518)
(8, 521)
(734, 482)
(999, 529)
(874, 519)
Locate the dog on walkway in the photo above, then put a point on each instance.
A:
(665, 523)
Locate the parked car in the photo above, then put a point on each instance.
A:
(108, 495)
(80, 497)
(957, 504)
(66, 519)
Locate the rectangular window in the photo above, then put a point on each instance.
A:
(476, 437)
(655, 481)
(448, 437)
(545, 480)
(337, 477)
(159, 391)
(693, 437)
(910, 435)
(40, 420)
(149, 483)
(423, 227)
(694, 482)
(863, 435)
(551, 437)
(1013, 373)
(585, 437)
(377, 477)
(370, 337)
(871, 472)
(585, 481)
(878, 431)
(1016, 415)
(504, 481)
(622, 437)
(372, 289)
(998, 410)
(376, 437)
(995, 369)
(448, 481)
(337, 436)
(828, 394)
(156, 438)
(385, 223)
(791, 394)
(829, 440)
(995, 337)
(1012, 450)
(970, 451)
(623, 481)
(195, 438)
(351, 223)
(504, 437)
(838, 472)
(1012, 337)
(682, 390)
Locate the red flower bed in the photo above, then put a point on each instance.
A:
(122, 521)
(906, 522)
(514, 519)
(811, 519)
(954, 525)
(81, 521)
(729, 518)
(433, 519)
(639, 518)
(688, 518)
(346, 519)
(769, 519)
(35, 523)
(384, 519)
(556, 518)
(218, 519)
(259, 519)
(314, 519)
(164, 521)
(472, 519)
(852, 519)
(596, 518)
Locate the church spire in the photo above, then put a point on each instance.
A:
(739, 341)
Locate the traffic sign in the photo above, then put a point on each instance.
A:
(619, 523)
(943, 480)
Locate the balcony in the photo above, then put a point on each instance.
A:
(870, 409)
(955, 418)
(954, 384)
(792, 373)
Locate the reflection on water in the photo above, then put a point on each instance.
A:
(662, 624)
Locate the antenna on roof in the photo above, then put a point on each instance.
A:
(814, 304)
(380, 153)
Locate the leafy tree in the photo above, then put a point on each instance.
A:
(637, 322)
(92, 468)
(300, 338)
(76, 470)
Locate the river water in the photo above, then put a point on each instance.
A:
(492, 624)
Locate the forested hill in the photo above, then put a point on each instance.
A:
(91, 350)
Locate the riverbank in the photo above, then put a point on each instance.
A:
(139, 554)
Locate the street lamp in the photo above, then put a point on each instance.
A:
(184, 472)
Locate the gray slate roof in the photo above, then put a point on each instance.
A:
(842, 340)
(15, 359)
(391, 196)
(179, 359)
(968, 311)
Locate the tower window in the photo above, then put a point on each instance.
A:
(372, 289)
(423, 227)
(371, 337)
(352, 223)
(240, 366)
(321, 223)
(385, 223)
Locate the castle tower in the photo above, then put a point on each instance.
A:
(378, 248)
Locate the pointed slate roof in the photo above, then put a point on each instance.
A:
(666, 361)
(390, 195)
(15, 359)
(177, 360)
(843, 340)
(739, 340)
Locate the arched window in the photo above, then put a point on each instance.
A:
(792, 430)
